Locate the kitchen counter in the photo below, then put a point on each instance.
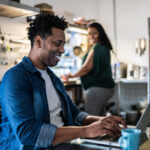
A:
(125, 80)
(128, 93)
(74, 90)
(72, 82)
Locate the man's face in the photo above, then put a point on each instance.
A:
(53, 47)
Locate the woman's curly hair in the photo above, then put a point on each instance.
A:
(43, 24)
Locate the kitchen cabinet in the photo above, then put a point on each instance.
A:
(127, 94)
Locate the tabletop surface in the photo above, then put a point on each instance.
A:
(77, 144)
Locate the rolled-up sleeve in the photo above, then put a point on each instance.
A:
(80, 117)
(77, 114)
(46, 135)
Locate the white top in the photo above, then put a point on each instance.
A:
(53, 100)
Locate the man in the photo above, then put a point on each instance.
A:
(36, 111)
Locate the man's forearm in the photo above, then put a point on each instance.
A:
(93, 126)
(64, 134)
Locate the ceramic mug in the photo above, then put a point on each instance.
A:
(130, 139)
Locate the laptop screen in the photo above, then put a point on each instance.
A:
(144, 120)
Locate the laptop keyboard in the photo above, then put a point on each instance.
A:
(109, 138)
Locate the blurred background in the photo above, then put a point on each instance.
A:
(126, 24)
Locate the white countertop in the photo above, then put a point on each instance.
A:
(125, 80)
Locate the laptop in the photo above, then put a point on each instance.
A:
(108, 141)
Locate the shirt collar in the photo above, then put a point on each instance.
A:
(28, 64)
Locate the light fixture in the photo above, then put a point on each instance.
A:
(78, 30)
(142, 44)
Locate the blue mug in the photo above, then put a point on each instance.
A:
(130, 139)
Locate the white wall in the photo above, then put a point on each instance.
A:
(77, 8)
(131, 24)
(105, 12)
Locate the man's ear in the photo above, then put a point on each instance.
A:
(38, 41)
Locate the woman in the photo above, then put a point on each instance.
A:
(95, 73)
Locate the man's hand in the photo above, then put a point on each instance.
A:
(107, 125)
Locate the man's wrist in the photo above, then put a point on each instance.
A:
(83, 132)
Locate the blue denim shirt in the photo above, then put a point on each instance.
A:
(25, 114)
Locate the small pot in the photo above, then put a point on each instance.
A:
(132, 116)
